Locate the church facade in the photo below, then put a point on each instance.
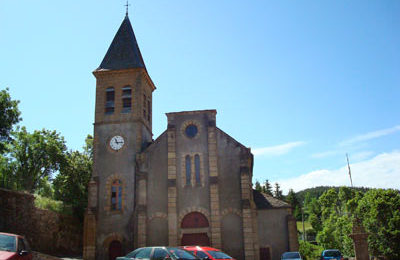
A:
(190, 186)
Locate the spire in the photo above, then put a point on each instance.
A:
(123, 52)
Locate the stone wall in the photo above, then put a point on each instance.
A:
(46, 231)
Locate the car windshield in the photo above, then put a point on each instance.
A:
(291, 255)
(180, 253)
(333, 253)
(219, 255)
(7, 243)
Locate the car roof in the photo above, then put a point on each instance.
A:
(200, 248)
(9, 234)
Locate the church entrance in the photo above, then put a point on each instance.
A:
(114, 250)
(194, 228)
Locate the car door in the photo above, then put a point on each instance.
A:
(144, 253)
(160, 254)
(23, 250)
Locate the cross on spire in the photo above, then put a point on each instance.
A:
(127, 7)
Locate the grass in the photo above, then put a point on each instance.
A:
(307, 226)
(50, 204)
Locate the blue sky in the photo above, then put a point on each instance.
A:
(300, 82)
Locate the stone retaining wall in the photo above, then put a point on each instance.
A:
(46, 231)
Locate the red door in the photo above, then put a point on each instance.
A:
(198, 239)
(114, 250)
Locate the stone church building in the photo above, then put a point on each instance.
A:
(192, 185)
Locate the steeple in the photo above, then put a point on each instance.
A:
(123, 52)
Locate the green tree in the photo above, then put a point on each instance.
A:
(291, 198)
(9, 116)
(258, 186)
(71, 183)
(268, 187)
(278, 191)
(380, 212)
(35, 156)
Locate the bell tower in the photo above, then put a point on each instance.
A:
(122, 128)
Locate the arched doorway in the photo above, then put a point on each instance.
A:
(198, 225)
(114, 250)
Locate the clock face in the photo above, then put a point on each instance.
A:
(117, 142)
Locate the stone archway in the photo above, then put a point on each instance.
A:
(195, 228)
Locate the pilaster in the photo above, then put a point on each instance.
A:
(172, 190)
(248, 215)
(89, 236)
(142, 209)
(214, 189)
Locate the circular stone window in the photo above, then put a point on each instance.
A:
(191, 131)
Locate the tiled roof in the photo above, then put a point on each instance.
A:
(265, 201)
(123, 52)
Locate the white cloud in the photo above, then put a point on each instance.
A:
(382, 171)
(277, 149)
(370, 135)
(325, 154)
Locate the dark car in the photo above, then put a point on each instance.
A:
(14, 247)
(291, 256)
(158, 253)
(331, 254)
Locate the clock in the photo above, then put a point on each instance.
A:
(117, 142)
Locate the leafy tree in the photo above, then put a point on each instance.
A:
(278, 191)
(9, 116)
(380, 211)
(309, 251)
(71, 183)
(35, 156)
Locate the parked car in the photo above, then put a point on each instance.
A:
(204, 252)
(14, 247)
(158, 253)
(291, 255)
(331, 254)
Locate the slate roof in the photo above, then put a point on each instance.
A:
(265, 201)
(123, 52)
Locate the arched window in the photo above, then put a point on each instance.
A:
(144, 107)
(197, 168)
(116, 195)
(110, 95)
(126, 99)
(188, 169)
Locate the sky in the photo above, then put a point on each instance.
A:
(301, 83)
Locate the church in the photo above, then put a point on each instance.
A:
(192, 185)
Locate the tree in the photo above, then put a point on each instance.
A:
(267, 187)
(35, 156)
(9, 116)
(278, 191)
(380, 213)
(71, 183)
(291, 198)
(258, 186)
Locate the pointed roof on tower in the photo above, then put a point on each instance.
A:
(124, 52)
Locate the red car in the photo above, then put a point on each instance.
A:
(14, 247)
(205, 252)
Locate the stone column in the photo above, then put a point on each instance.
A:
(360, 237)
(214, 189)
(142, 209)
(172, 191)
